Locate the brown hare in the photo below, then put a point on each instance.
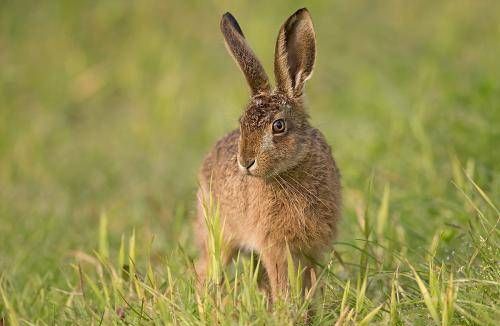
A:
(274, 178)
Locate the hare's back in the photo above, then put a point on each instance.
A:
(221, 163)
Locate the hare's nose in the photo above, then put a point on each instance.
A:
(248, 164)
(245, 165)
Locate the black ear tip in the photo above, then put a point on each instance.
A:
(227, 15)
(229, 18)
(303, 12)
(300, 15)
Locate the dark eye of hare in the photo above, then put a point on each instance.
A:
(279, 126)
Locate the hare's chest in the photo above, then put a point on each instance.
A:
(277, 214)
(284, 218)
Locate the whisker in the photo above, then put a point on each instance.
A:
(309, 191)
(286, 192)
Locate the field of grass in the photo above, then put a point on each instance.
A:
(106, 111)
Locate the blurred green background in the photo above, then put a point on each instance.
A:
(110, 106)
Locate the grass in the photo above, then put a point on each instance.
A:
(106, 110)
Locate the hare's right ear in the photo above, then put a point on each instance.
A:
(295, 53)
(243, 55)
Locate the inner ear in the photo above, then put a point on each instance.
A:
(295, 53)
(301, 52)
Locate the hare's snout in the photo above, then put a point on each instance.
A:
(247, 155)
(247, 166)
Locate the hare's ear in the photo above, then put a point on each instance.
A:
(295, 53)
(242, 53)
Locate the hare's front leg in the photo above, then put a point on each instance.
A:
(275, 264)
(202, 265)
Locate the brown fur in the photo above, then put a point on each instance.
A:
(290, 197)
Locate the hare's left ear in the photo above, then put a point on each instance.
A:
(295, 53)
(243, 55)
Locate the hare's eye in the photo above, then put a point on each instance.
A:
(279, 126)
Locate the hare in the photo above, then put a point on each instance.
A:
(274, 178)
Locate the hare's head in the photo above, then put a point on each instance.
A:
(275, 132)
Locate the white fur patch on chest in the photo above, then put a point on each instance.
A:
(252, 241)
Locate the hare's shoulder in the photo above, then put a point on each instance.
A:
(323, 152)
(222, 158)
(320, 141)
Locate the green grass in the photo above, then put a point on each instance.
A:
(106, 110)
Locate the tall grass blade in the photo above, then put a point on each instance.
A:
(429, 302)
(11, 313)
(368, 318)
(103, 236)
(383, 212)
